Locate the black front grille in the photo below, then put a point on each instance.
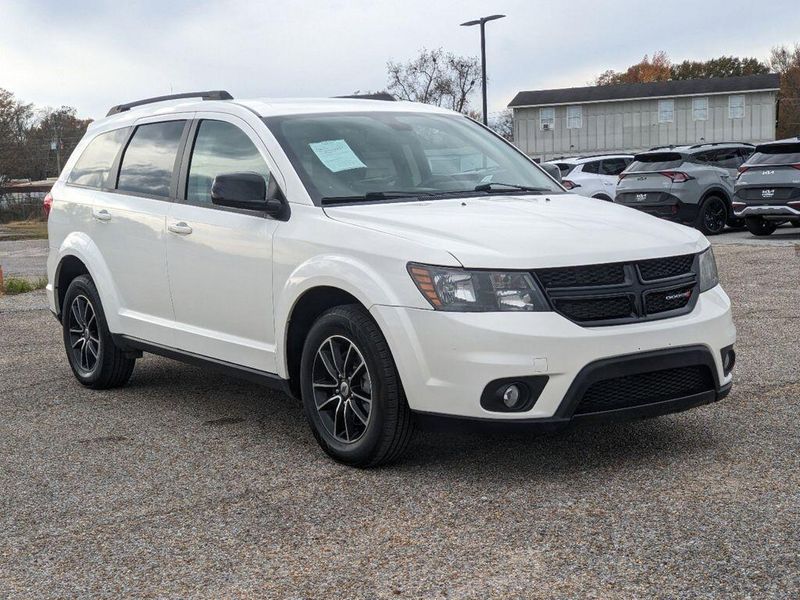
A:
(608, 274)
(645, 388)
(596, 309)
(616, 293)
(662, 268)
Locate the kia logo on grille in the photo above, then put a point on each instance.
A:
(641, 197)
(678, 295)
(768, 172)
(767, 193)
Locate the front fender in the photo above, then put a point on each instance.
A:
(82, 247)
(370, 286)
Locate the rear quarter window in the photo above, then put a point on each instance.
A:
(776, 154)
(655, 161)
(93, 166)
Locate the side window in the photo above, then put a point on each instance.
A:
(666, 111)
(746, 153)
(592, 167)
(729, 158)
(149, 159)
(220, 148)
(92, 168)
(613, 166)
(547, 118)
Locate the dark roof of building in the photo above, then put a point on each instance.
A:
(656, 89)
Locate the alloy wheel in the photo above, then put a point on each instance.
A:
(342, 389)
(84, 335)
(715, 216)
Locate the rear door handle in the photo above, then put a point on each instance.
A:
(101, 215)
(180, 228)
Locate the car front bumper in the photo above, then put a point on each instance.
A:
(446, 360)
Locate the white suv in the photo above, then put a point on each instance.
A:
(593, 176)
(383, 261)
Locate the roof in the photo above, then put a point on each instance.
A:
(656, 89)
(576, 160)
(266, 107)
(695, 148)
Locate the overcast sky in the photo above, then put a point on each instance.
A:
(93, 54)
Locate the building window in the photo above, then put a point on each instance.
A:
(736, 107)
(574, 117)
(547, 118)
(699, 109)
(666, 111)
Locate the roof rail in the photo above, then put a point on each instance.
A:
(209, 95)
(669, 147)
(376, 96)
(718, 144)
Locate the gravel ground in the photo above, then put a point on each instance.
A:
(188, 484)
(24, 258)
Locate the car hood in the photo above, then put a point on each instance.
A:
(525, 232)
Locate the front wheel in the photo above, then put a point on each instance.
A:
(352, 395)
(713, 216)
(94, 358)
(759, 226)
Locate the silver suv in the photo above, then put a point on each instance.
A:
(688, 184)
(768, 187)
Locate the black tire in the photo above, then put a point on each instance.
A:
(713, 216)
(759, 226)
(94, 358)
(389, 424)
(736, 223)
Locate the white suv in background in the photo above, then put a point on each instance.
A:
(385, 262)
(593, 176)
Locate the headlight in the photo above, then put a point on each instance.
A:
(708, 270)
(477, 291)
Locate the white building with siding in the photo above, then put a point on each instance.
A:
(638, 116)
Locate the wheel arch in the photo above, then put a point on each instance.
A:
(79, 255)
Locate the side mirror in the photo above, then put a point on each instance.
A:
(552, 170)
(249, 191)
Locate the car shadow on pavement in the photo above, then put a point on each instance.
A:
(222, 403)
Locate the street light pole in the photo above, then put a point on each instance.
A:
(482, 22)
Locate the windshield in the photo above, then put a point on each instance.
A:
(370, 155)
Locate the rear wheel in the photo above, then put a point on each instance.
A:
(94, 358)
(713, 216)
(351, 391)
(759, 226)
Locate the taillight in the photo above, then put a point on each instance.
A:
(570, 185)
(796, 166)
(742, 169)
(622, 176)
(676, 176)
(47, 204)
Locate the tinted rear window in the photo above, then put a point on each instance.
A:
(150, 159)
(776, 154)
(91, 169)
(655, 161)
(565, 168)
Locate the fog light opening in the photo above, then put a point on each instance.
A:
(728, 360)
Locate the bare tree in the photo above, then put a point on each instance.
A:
(503, 124)
(785, 61)
(435, 77)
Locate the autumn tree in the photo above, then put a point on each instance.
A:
(435, 77)
(648, 69)
(723, 66)
(785, 61)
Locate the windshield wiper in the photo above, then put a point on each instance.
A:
(370, 196)
(487, 187)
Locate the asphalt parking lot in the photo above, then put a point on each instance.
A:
(189, 484)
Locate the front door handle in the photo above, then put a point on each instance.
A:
(180, 228)
(101, 215)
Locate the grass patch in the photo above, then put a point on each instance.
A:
(24, 230)
(18, 285)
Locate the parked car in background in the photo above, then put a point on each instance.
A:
(384, 262)
(692, 185)
(768, 187)
(593, 176)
